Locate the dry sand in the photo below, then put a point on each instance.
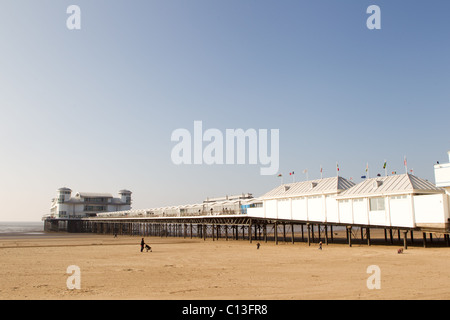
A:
(35, 268)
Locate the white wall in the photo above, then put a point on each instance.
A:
(256, 212)
(379, 218)
(400, 210)
(428, 210)
(360, 211)
(284, 209)
(316, 208)
(442, 174)
(299, 209)
(271, 208)
(431, 209)
(331, 209)
(345, 211)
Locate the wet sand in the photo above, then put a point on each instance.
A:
(35, 267)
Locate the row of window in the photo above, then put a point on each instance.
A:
(96, 200)
(377, 203)
(94, 208)
(303, 198)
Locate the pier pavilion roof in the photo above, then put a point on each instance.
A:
(333, 185)
(391, 185)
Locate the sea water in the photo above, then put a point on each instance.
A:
(21, 228)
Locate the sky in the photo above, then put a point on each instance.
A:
(93, 109)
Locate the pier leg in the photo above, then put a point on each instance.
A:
(308, 226)
(292, 231)
(405, 245)
(349, 233)
(424, 235)
(265, 232)
(275, 232)
(250, 236)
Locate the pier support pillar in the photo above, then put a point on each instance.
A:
(275, 232)
(349, 235)
(405, 245)
(424, 239)
(292, 231)
(308, 226)
(250, 235)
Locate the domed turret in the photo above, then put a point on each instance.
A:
(64, 194)
(125, 196)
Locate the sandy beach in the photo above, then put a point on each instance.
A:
(177, 268)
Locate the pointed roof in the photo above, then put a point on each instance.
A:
(312, 187)
(397, 184)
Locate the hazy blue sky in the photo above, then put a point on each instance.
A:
(94, 109)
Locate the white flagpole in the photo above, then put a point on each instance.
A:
(321, 174)
(281, 176)
(406, 165)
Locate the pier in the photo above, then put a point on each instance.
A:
(247, 228)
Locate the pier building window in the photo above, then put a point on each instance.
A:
(377, 204)
(94, 208)
(398, 197)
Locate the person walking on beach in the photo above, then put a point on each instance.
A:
(320, 245)
(142, 244)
